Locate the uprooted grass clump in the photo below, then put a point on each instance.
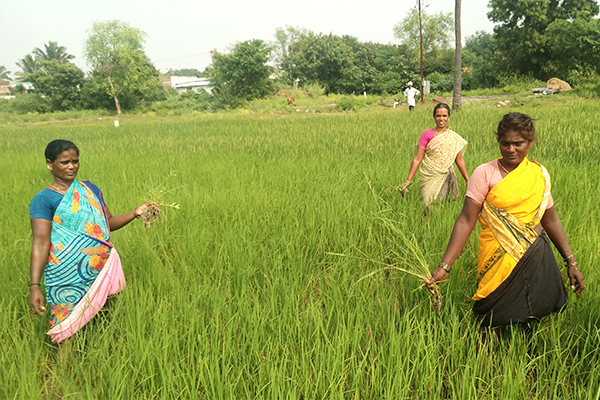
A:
(154, 194)
(151, 214)
(409, 259)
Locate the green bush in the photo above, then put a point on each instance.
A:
(314, 90)
(348, 103)
(584, 85)
(441, 82)
(512, 83)
(26, 103)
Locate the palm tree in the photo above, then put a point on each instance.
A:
(4, 73)
(53, 52)
(29, 65)
(457, 98)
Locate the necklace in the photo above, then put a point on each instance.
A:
(63, 192)
(501, 166)
(439, 133)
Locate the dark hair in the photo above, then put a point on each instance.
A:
(56, 147)
(441, 105)
(518, 122)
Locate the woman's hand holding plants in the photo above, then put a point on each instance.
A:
(404, 188)
(438, 275)
(139, 210)
(575, 278)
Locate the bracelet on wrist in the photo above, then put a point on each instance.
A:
(445, 267)
(35, 284)
(569, 256)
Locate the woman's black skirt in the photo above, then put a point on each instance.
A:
(533, 290)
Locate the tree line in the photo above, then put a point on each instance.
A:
(536, 38)
(121, 74)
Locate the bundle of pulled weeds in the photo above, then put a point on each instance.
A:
(155, 194)
(151, 214)
(436, 298)
(401, 245)
(404, 248)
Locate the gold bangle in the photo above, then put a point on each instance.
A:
(445, 267)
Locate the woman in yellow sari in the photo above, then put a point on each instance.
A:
(439, 148)
(518, 279)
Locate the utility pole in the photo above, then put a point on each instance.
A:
(421, 40)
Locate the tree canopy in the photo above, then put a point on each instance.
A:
(4, 73)
(60, 82)
(520, 33)
(29, 65)
(342, 64)
(283, 46)
(184, 72)
(52, 51)
(243, 73)
(575, 45)
(115, 51)
(437, 30)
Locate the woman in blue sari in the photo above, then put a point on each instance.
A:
(71, 247)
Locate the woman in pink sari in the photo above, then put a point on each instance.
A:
(71, 245)
(439, 148)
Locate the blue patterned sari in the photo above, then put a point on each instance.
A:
(80, 247)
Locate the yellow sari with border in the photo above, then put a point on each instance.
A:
(510, 212)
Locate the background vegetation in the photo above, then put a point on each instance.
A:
(253, 289)
(533, 40)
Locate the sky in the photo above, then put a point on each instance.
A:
(181, 33)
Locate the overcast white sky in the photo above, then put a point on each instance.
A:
(181, 33)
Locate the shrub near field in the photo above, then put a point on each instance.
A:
(252, 289)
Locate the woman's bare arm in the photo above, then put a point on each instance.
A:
(40, 249)
(552, 225)
(462, 166)
(118, 221)
(414, 166)
(460, 234)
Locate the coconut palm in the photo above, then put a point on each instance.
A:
(29, 65)
(4, 73)
(457, 98)
(53, 51)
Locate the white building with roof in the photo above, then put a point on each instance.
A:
(186, 83)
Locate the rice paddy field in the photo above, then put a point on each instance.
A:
(278, 277)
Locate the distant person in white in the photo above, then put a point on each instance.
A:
(410, 94)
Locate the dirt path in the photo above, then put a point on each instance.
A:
(494, 96)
